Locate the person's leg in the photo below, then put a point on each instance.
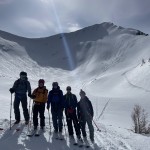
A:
(16, 108)
(69, 124)
(60, 123)
(54, 119)
(82, 125)
(76, 125)
(42, 117)
(24, 106)
(91, 129)
(35, 115)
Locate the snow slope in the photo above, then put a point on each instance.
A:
(104, 60)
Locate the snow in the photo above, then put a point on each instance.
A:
(104, 59)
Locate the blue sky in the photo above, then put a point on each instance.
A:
(40, 18)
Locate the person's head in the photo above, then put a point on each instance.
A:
(23, 75)
(41, 83)
(82, 94)
(55, 85)
(68, 89)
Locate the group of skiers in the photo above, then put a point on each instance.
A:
(78, 113)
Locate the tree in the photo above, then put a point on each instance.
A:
(140, 121)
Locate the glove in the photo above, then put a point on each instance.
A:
(11, 90)
(48, 107)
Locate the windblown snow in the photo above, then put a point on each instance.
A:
(104, 60)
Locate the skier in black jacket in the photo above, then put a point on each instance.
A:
(20, 88)
(70, 103)
(85, 115)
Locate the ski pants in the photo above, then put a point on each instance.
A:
(90, 126)
(72, 118)
(23, 99)
(57, 119)
(39, 108)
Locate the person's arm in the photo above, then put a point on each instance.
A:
(75, 101)
(14, 86)
(29, 88)
(78, 111)
(91, 109)
(13, 89)
(62, 99)
(46, 96)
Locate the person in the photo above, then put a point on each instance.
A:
(40, 96)
(20, 88)
(85, 115)
(55, 99)
(70, 103)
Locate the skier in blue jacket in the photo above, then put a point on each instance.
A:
(55, 99)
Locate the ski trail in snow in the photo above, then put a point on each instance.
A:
(110, 141)
(133, 85)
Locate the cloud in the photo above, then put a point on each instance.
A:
(33, 18)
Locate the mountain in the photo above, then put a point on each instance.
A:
(102, 50)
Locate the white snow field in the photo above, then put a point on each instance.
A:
(103, 59)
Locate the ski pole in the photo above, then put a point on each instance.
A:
(94, 122)
(10, 110)
(49, 120)
(104, 109)
(31, 114)
(96, 125)
(29, 125)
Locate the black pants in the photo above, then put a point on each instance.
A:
(39, 109)
(23, 99)
(90, 126)
(57, 115)
(72, 118)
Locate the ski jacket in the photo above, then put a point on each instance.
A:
(55, 98)
(70, 101)
(85, 109)
(41, 95)
(22, 86)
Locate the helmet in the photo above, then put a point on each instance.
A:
(68, 88)
(22, 73)
(55, 84)
(41, 81)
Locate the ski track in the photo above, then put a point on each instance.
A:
(110, 141)
(133, 85)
